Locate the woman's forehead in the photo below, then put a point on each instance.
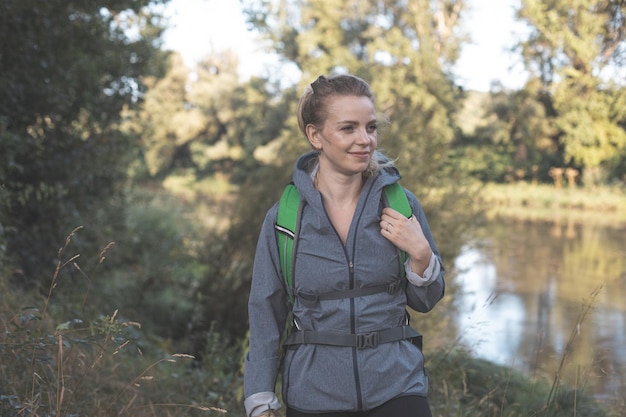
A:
(339, 107)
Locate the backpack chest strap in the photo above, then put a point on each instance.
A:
(310, 300)
(360, 340)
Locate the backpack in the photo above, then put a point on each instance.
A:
(290, 208)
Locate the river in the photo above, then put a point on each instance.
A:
(532, 294)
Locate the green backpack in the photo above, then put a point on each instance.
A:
(289, 216)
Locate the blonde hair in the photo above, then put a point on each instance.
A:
(312, 107)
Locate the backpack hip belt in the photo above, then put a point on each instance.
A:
(359, 340)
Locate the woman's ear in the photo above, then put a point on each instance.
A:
(312, 135)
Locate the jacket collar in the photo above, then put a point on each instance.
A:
(307, 164)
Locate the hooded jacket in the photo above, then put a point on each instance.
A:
(335, 378)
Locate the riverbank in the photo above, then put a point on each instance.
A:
(599, 205)
(465, 386)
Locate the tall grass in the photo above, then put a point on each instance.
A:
(96, 366)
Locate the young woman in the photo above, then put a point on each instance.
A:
(351, 353)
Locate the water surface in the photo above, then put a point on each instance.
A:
(547, 298)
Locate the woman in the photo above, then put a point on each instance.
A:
(348, 240)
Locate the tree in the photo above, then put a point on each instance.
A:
(572, 48)
(67, 69)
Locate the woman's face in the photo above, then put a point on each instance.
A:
(348, 138)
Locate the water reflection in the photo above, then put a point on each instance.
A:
(529, 289)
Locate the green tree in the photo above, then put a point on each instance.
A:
(572, 48)
(67, 69)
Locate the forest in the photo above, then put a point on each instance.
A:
(133, 187)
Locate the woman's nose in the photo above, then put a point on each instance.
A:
(364, 136)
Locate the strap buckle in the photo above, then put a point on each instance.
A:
(367, 340)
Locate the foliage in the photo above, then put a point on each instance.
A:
(572, 49)
(67, 69)
(170, 263)
(182, 112)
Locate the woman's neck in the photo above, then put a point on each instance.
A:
(339, 189)
(340, 197)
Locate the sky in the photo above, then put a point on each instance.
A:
(201, 27)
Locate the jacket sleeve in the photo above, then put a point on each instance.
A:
(267, 312)
(423, 298)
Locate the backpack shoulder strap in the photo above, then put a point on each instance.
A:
(287, 221)
(397, 200)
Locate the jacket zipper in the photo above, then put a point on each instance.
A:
(357, 376)
(351, 278)
(355, 363)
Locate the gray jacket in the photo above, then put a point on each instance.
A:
(329, 378)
